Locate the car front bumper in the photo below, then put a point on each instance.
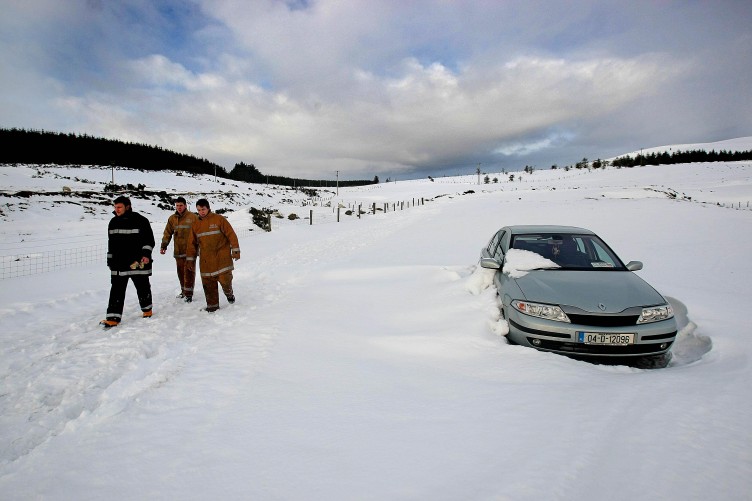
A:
(649, 339)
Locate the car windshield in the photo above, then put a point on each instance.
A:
(570, 251)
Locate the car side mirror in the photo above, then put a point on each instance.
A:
(489, 262)
(634, 265)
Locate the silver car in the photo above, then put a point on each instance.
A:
(564, 290)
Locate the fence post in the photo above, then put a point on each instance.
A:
(311, 217)
(338, 213)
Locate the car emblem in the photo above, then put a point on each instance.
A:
(602, 306)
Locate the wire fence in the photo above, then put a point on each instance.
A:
(34, 263)
(325, 214)
(37, 262)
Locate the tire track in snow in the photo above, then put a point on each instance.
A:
(75, 376)
(72, 376)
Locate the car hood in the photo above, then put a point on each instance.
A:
(614, 290)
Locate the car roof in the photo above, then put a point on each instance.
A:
(546, 228)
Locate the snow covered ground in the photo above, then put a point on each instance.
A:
(365, 359)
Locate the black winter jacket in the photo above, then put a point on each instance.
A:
(130, 239)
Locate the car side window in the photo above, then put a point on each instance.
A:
(498, 252)
(602, 257)
(492, 244)
(580, 245)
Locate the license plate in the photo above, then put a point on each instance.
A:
(605, 338)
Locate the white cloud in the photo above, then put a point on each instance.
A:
(426, 114)
(368, 87)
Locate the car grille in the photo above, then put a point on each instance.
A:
(564, 347)
(604, 320)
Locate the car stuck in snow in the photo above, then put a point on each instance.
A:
(563, 289)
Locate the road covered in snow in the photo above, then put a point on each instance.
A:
(366, 359)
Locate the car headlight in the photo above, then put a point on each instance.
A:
(547, 311)
(655, 314)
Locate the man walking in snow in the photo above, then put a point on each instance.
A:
(179, 225)
(214, 240)
(129, 246)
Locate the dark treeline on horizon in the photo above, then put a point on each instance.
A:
(682, 157)
(41, 147)
(250, 174)
(21, 146)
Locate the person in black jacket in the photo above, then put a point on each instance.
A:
(129, 247)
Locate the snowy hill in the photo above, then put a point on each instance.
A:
(365, 358)
(738, 144)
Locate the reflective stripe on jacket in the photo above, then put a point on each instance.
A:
(214, 240)
(179, 226)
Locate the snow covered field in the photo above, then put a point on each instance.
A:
(365, 359)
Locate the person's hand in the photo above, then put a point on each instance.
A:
(145, 260)
(162, 251)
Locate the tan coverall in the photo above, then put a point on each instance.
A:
(214, 240)
(179, 226)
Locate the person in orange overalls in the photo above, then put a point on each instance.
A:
(213, 239)
(179, 225)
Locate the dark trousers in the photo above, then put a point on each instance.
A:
(117, 294)
(211, 291)
(186, 277)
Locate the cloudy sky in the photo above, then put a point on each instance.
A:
(393, 88)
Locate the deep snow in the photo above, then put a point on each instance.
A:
(365, 359)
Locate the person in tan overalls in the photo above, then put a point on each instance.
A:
(214, 240)
(179, 225)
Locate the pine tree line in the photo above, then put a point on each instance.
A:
(20, 146)
(42, 147)
(682, 157)
(250, 174)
